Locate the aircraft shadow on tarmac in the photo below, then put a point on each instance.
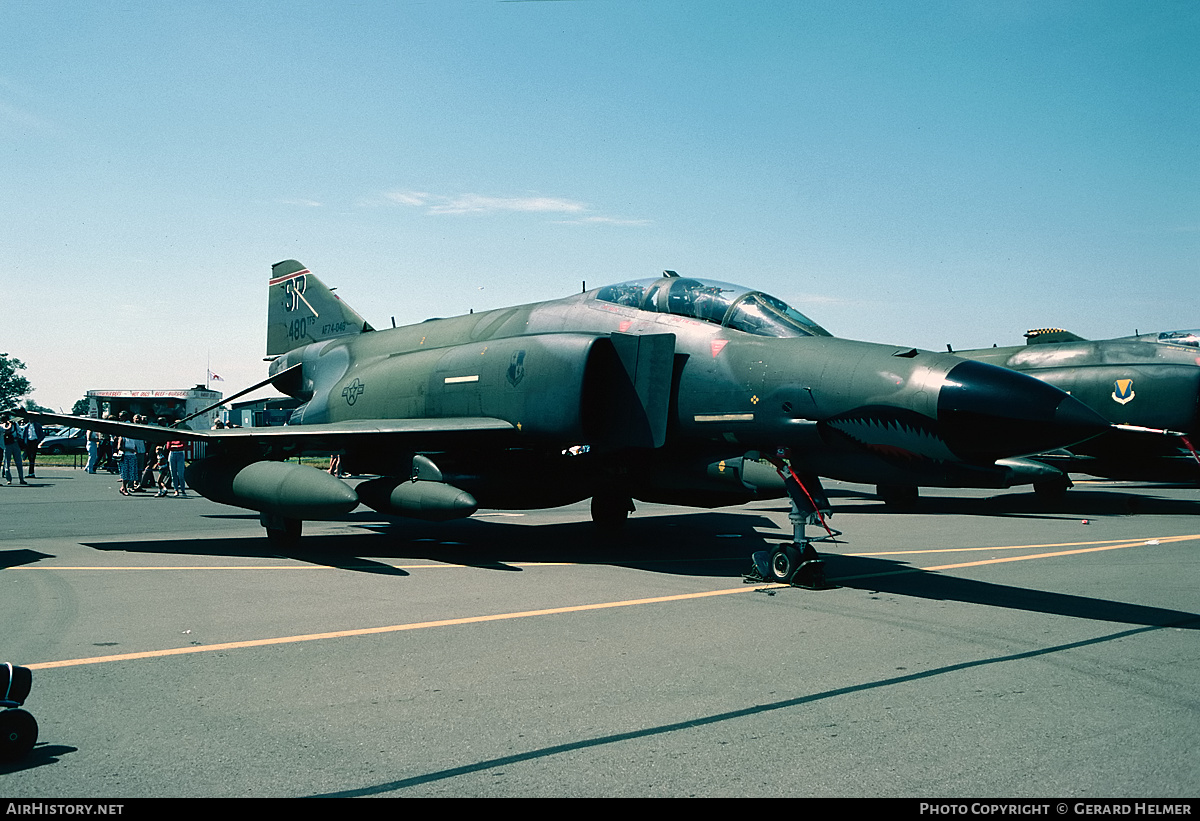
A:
(16, 558)
(1076, 502)
(876, 575)
(694, 544)
(711, 544)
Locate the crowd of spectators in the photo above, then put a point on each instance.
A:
(141, 469)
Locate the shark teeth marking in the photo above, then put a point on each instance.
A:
(894, 437)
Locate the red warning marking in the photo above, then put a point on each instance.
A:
(717, 345)
(1189, 444)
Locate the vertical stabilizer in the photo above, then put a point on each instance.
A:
(300, 310)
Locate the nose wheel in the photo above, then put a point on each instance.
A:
(797, 565)
(793, 564)
(785, 559)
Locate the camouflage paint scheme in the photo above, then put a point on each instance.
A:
(666, 390)
(1147, 380)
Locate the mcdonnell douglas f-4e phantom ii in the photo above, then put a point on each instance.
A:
(1143, 384)
(672, 389)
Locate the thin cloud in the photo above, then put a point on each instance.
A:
(15, 119)
(476, 204)
(604, 221)
(18, 108)
(439, 204)
(415, 198)
(480, 204)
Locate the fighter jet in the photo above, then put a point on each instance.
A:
(1148, 385)
(669, 389)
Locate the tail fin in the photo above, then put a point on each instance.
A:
(300, 310)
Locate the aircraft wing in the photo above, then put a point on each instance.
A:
(414, 433)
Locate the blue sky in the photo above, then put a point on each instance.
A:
(918, 173)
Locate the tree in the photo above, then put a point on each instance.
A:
(81, 407)
(12, 386)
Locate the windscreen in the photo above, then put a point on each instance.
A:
(1189, 338)
(731, 306)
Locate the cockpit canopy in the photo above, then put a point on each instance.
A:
(731, 306)
(1189, 338)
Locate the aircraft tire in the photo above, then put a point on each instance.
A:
(287, 536)
(1052, 491)
(18, 734)
(785, 560)
(899, 497)
(610, 511)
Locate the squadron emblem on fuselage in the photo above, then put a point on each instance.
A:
(352, 391)
(516, 368)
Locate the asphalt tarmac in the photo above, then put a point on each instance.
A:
(982, 646)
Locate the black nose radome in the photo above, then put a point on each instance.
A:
(986, 413)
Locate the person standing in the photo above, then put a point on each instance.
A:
(105, 448)
(176, 452)
(126, 451)
(160, 464)
(11, 433)
(140, 461)
(93, 449)
(33, 437)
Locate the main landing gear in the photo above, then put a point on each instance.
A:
(797, 563)
(610, 510)
(1053, 491)
(18, 729)
(283, 533)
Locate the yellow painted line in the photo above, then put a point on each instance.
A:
(444, 566)
(1139, 543)
(1004, 559)
(279, 566)
(177, 567)
(396, 628)
(1122, 542)
(369, 631)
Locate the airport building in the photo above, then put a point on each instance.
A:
(174, 404)
(262, 413)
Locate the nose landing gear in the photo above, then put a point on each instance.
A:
(797, 563)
